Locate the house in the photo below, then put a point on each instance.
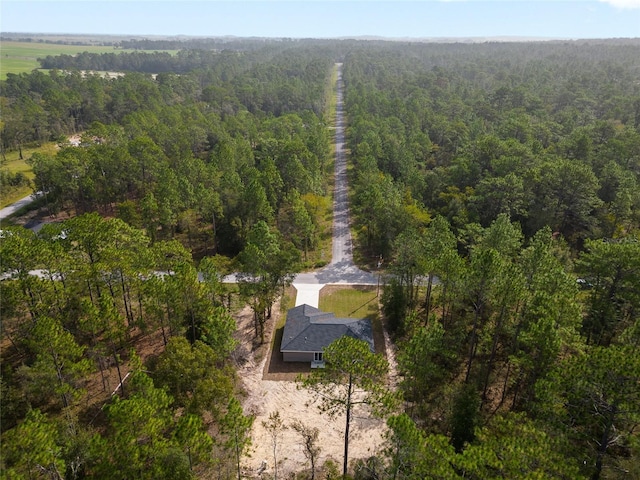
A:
(309, 330)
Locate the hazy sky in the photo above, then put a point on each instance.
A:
(327, 18)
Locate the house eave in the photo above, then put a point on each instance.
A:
(300, 351)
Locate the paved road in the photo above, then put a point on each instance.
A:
(341, 269)
(14, 207)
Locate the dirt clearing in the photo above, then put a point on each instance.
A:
(265, 396)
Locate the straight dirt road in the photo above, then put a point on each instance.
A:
(341, 269)
(265, 397)
(342, 245)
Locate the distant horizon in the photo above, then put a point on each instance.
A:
(56, 36)
(327, 19)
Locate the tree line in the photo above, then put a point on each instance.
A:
(184, 154)
(545, 133)
(39, 106)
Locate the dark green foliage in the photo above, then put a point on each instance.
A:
(236, 426)
(488, 176)
(394, 306)
(411, 454)
(513, 446)
(11, 180)
(14, 405)
(612, 270)
(31, 451)
(59, 364)
(267, 265)
(143, 440)
(425, 358)
(593, 398)
(464, 417)
(194, 375)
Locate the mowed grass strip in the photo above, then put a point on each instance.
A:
(15, 65)
(349, 302)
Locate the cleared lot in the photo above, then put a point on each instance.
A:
(269, 388)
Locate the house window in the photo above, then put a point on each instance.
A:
(317, 356)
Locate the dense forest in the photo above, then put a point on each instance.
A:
(178, 150)
(499, 182)
(503, 174)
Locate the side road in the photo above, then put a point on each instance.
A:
(341, 270)
(6, 212)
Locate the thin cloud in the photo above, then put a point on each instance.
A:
(623, 3)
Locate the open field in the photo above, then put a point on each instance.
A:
(19, 57)
(14, 164)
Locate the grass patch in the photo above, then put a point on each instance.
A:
(20, 57)
(350, 302)
(355, 302)
(320, 208)
(287, 301)
(15, 65)
(11, 195)
(14, 164)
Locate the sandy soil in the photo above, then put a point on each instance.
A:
(265, 396)
(75, 139)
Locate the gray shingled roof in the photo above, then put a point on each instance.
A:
(309, 329)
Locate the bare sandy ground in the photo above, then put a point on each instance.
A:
(267, 396)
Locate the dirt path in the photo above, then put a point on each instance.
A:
(342, 252)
